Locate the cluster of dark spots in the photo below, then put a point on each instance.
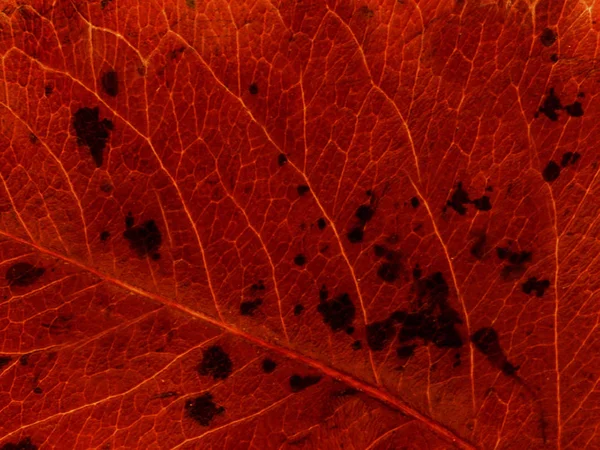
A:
(460, 198)
(355, 235)
(379, 334)
(552, 105)
(569, 158)
(23, 274)
(23, 444)
(281, 159)
(298, 309)
(457, 361)
(486, 341)
(215, 363)
(37, 390)
(356, 345)
(249, 307)
(534, 285)
(515, 261)
(299, 383)
(414, 202)
(268, 365)
(302, 189)
(548, 37)
(478, 247)
(253, 89)
(364, 213)
(104, 235)
(389, 270)
(92, 132)
(110, 83)
(144, 239)
(4, 361)
(259, 286)
(299, 259)
(405, 351)
(338, 312)
(202, 409)
(321, 224)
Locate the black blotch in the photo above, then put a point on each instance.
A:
(478, 247)
(48, 89)
(535, 285)
(299, 383)
(144, 239)
(516, 262)
(502, 252)
(258, 286)
(389, 271)
(379, 250)
(554, 57)
(298, 309)
(253, 89)
(268, 365)
(23, 274)
(156, 256)
(417, 272)
(350, 330)
(321, 223)
(104, 235)
(414, 202)
(364, 213)
(129, 220)
(23, 444)
(302, 189)
(406, 351)
(110, 83)
(356, 345)
(4, 361)
(24, 360)
(215, 363)
(338, 312)
(299, 259)
(355, 235)
(575, 109)
(281, 159)
(550, 106)
(92, 132)
(569, 158)
(459, 199)
(486, 341)
(37, 390)
(548, 37)
(551, 172)
(368, 192)
(517, 258)
(249, 307)
(483, 203)
(323, 293)
(379, 334)
(202, 409)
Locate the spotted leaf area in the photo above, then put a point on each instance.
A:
(314, 224)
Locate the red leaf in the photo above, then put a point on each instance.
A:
(311, 223)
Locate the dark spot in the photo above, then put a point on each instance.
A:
(104, 235)
(574, 110)
(389, 271)
(508, 369)
(478, 247)
(355, 235)
(417, 272)
(298, 309)
(550, 106)
(129, 220)
(321, 223)
(202, 409)
(144, 239)
(37, 390)
(249, 307)
(215, 363)
(253, 89)
(414, 202)
(190, 3)
(4, 361)
(33, 138)
(23, 274)
(519, 257)
(548, 37)
(268, 365)
(581, 94)
(350, 330)
(379, 250)
(24, 360)
(535, 285)
(281, 159)
(483, 203)
(338, 313)
(487, 342)
(502, 252)
(299, 383)
(323, 293)
(23, 444)
(258, 286)
(299, 259)
(459, 199)
(155, 256)
(368, 192)
(356, 345)
(554, 57)
(48, 89)
(551, 172)
(364, 213)
(110, 83)
(406, 351)
(302, 189)
(379, 334)
(92, 132)
(569, 158)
